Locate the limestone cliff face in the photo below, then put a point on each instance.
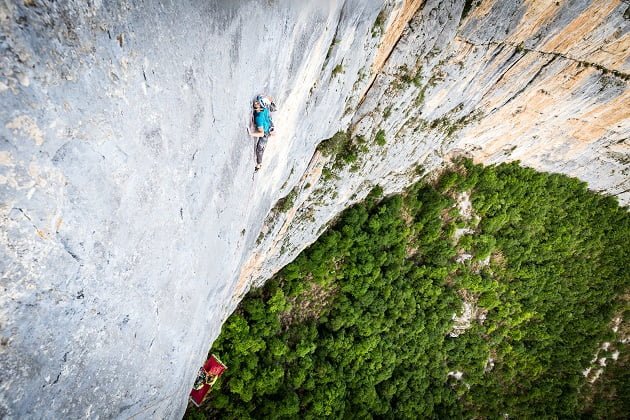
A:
(131, 221)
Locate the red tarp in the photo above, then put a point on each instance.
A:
(213, 368)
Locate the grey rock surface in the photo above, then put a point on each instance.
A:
(128, 195)
(132, 222)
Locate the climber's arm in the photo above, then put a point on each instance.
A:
(258, 133)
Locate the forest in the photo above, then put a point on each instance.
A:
(487, 292)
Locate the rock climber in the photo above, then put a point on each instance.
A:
(262, 107)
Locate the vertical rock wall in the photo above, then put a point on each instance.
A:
(128, 195)
(131, 218)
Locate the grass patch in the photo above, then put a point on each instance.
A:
(409, 77)
(286, 203)
(344, 148)
(387, 112)
(379, 138)
(450, 126)
(377, 28)
(338, 69)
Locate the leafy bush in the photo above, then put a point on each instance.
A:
(380, 138)
(377, 28)
(344, 148)
(285, 203)
(335, 144)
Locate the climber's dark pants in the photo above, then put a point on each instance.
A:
(260, 147)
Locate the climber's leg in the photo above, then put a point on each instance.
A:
(260, 148)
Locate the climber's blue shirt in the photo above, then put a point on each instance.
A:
(263, 119)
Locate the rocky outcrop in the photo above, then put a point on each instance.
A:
(131, 219)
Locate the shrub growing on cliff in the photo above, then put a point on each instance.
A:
(358, 325)
(285, 203)
(333, 145)
(343, 148)
(380, 138)
(377, 28)
(338, 69)
(387, 112)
